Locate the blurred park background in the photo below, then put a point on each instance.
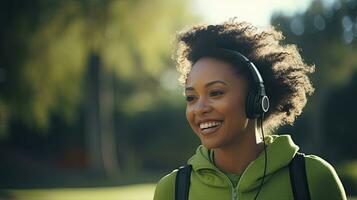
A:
(90, 105)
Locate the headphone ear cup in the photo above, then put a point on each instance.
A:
(257, 111)
(249, 105)
(260, 105)
(257, 103)
(263, 103)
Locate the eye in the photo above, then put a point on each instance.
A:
(190, 98)
(216, 93)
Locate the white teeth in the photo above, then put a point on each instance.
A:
(209, 124)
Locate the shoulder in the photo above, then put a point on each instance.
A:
(165, 188)
(323, 180)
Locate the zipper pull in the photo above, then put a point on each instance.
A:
(235, 194)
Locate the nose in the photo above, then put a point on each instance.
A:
(202, 107)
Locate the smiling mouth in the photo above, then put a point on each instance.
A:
(210, 127)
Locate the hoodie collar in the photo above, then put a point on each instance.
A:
(280, 150)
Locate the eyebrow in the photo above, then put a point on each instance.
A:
(208, 84)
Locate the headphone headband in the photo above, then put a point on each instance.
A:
(257, 78)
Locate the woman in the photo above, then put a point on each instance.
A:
(231, 102)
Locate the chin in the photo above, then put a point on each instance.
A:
(209, 145)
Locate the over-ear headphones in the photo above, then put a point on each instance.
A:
(257, 102)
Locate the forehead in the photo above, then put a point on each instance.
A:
(210, 69)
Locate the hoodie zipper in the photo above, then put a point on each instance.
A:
(235, 194)
(234, 189)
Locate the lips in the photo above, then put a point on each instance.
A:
(209, 126)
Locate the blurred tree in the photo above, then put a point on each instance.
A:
(327, 36)
(106, 55)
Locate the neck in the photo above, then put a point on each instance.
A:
(236, 156)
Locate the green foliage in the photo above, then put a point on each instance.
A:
(53, 41)
(326, 35)
(131, 192)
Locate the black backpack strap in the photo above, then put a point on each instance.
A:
(182, 184)
(298, 178)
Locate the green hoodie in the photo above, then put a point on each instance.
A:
(209, 183)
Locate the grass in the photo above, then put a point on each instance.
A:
(131, 192)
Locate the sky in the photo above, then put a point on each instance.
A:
(257, 12)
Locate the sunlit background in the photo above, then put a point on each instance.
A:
(90, 105)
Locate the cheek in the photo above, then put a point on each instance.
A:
(189, 115)
(234, 108)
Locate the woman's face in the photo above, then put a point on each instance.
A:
(216, 103)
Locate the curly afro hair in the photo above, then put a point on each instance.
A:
(283, 70)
